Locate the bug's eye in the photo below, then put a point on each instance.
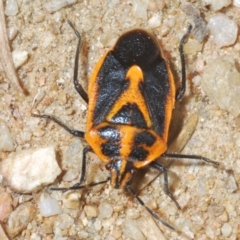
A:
(108, 166)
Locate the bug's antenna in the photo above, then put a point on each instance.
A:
(148, 209)
(80, 187)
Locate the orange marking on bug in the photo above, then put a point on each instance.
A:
(169, 104)
(132, 95)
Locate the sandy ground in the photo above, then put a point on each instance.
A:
(204, 191)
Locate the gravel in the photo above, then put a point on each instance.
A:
(223, 30)
(29, 170)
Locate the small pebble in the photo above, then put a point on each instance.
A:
(116, 233)
(48, 206)
(223, 30)
(73, 155)
(199, 65)
(38, 16)
(97, 224)
(5, 206)
(91, 211)
(140, 8)
(184, 199)
(57, 16)
(153, 233)
(49, 37)
(72, 200)
(113, 3)
(12, 32)
(226, 229)
(70, 175)
(65, 221)
(236, 3)
(105, 210)
(164, 30)
(109, 237)
(55, 5)
(131, 230)
(229, 207)
(6, 142)
(3, 236)
(19, 58)
(217, 5)
(192, 46)
(210, 232)
(11, 8)
(27, 171)
(216, 210)
(231, 184)
(220, 81)
(154, 21)
(133, 213)
(20, 218)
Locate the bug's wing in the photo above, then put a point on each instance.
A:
(157, 91)
(111, 83)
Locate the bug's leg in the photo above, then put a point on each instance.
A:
(83, 175)
(73, 132)
(83, 172)
(81, 187)
(194, 157)
(77, 86)
(163, 169)
(182, 89)
(148, 209)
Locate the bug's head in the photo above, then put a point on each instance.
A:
(121, 171)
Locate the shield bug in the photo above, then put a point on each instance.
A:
(130, 99)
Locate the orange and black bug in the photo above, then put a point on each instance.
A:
(131, 95)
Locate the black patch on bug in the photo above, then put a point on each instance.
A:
(136, 47)
(110, 149)
(144, 138)
(138, 153)
(131, 115)
(155, 89)
(109, 133)
(111, 83)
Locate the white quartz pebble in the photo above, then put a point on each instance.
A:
(154, 21)
(221, 83)
(12, 32)
(6, 142)
(48, 206)
(236, 3)
(132, 230)
(105, 210)
(55, 5)
(226, 229)
(19, 58)
(140, 8)
(217, 5)
(223, 30)
(27, 171)
(11, 8)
